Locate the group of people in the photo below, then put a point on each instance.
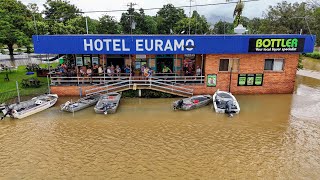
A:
(99, 70)
(188, 70)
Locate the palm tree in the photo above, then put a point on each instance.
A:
(237, 12)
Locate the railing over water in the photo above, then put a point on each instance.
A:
(98, 80)
(105, 84)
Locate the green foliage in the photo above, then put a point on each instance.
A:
(286, 18)
(167, 17)
(198, 24)
(18, 76)
(13, 19)
(314, 55)
(108, 25)
(60, 10)
(223, 27)
(300, 65)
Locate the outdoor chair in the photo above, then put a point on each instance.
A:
(6, 77)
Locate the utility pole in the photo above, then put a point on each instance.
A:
(130, 5)
(190, 18)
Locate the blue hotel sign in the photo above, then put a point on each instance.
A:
(164, 44)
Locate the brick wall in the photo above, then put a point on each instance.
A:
(69, 90)
(273, 82)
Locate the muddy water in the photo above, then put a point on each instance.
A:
(274, 137)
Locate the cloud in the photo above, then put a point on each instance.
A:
(252, 9)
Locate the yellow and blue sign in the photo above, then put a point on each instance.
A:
(167, 44)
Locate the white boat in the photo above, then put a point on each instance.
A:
(225, 102)
(82, 103)
(30, 107)
(192, 102)
(108, 103)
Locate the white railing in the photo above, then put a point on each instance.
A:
(150, 83)
(103, 80)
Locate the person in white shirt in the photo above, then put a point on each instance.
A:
(198, 71)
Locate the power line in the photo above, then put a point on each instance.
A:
(186, 6)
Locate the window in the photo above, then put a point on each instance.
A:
(228, 64)
(224, 64)
(273, 64)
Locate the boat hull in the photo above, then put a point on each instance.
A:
(25, 112)
(108, 103)
(219, 105)
(192, 103)
(79, 105)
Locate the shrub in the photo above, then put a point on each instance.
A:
(315, 55)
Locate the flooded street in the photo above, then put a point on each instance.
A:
(274, 136)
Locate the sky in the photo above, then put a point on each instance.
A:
(252, 9)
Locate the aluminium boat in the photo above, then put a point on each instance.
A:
(30, 107)
(108, 103)
(82, 103)
(192, 102)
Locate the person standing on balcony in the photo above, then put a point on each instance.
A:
(100, 70)
(198, 71)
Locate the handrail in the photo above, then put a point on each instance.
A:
(150, 82)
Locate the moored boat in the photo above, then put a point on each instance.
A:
(192, 102)
(108, 103)
(30, 107)
(225, 102)
(82, 103)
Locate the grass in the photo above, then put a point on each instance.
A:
(8, 88)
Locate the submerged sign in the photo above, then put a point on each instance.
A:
(276, 44)
(172, 44)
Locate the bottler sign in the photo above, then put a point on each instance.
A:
(276, 44)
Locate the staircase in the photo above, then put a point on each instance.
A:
(151, 83)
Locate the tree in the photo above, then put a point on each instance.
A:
(288, 18)
(151, 25)
(13, 19)
(223, 27)
(108, 25)
(198, 24)
(167, 17)
(60, 10)
(316, 25)
(78, 25)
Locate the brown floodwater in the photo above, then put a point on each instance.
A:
(273, 137)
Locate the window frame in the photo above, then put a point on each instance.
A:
(273, 60)
(230, 61)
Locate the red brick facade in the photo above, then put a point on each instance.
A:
(273, 82)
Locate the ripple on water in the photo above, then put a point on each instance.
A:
(147, 140)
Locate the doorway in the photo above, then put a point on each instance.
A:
(115, 62)
(161, 62)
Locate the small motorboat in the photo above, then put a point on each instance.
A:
(82, 103)
(192, 102)
(30, 107)
(108, 103)
(225, 102)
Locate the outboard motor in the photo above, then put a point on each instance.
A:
(229, 105)
(180, 103)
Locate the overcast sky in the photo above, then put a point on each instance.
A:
(252, 9)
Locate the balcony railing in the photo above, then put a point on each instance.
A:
(98, 80)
